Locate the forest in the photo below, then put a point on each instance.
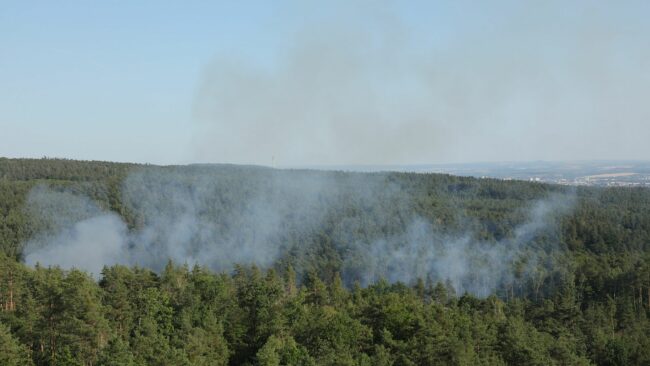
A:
(126, 264)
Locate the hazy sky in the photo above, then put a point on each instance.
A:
(331, 82)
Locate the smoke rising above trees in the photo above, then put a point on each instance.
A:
(339, 91)
(221, 216)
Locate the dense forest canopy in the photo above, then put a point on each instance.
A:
(110, 263)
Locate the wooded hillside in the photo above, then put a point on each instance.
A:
(572, 285)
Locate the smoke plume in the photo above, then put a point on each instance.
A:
(422, 251)
(222, 216)
(74, 232)
(364, 84)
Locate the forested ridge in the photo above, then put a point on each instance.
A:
(584, 299)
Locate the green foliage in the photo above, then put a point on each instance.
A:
(587, 303)
(202, 318)
(12, 353)
(283, 351)
(116, 353)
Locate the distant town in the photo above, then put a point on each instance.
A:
(581, 173)
(575, 173)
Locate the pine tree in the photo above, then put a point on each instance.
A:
(12, 353)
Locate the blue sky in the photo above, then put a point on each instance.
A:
(363, 82)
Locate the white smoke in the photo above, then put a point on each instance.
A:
(89, 245)
(470, 265)
(220, 217)
(75, 232)
(179, 220)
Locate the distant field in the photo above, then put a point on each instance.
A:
(611, 175)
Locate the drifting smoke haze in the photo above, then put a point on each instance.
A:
(75, 232)
(179, 217)
(547, 80)
(364, 84)
(183, 219)
(341, 82)
(216, 218)
(477, 267)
